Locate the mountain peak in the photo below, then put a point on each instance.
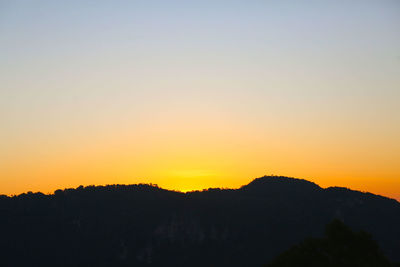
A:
(281, 184)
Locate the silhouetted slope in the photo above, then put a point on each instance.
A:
(144, 225)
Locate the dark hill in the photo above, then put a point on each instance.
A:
(143, 225)
(278, 184)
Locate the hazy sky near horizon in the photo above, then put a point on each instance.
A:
(198, 94)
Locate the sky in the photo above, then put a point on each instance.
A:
(197, 94)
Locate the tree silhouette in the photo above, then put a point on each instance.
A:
(340, 247)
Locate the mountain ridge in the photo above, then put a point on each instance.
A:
(263, 179)
(145, 225)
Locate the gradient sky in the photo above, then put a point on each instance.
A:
(198, 94)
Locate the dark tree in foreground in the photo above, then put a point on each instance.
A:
(340, 247)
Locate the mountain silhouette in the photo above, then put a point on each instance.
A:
(144, 225)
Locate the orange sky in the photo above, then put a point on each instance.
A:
(204, 152)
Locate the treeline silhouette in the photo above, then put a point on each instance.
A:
(144, 225)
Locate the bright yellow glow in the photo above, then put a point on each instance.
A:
(214, 152)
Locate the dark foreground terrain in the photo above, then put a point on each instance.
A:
(143, 225)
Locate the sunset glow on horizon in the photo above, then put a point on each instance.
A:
(197, 95)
